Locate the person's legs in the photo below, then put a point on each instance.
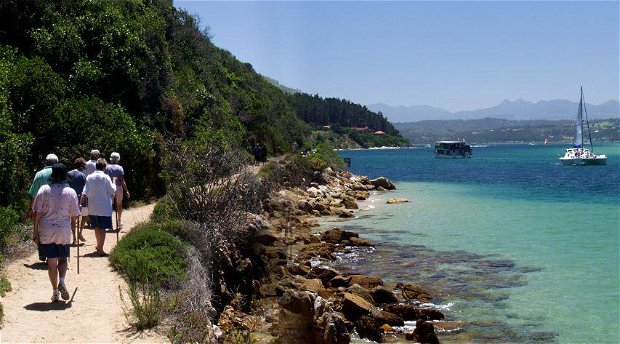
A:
(119, 207)
(62, 272)
(100, 237)
(82, 220)
(52, 271)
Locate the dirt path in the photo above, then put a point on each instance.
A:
(94, 315)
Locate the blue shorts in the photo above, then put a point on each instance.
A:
(55, 250)
(101, 222)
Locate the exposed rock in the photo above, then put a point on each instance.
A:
(367, 282)
(368, 327)
(346, 214)
(314, 285)
(323, 250)
(425, 333)
(415, 293)
(336, 235)
(305, 206)
(265, 237)
(354, 307)
(411, 312)
(298, 302)
(383, 317)
(360, 291)
(324, 273)
(330, 328)
(360, 242)
(383, 182)
(339, 281)
(382, 295)
(397, 200)
(349, 202)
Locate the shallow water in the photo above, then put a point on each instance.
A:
(519, 247)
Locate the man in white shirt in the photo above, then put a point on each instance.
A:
(99, 190)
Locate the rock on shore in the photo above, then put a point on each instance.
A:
(301, 297)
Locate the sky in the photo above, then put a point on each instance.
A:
(456, 55)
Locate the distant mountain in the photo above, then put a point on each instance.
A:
(519, 109)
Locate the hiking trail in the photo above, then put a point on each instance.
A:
(95, 313)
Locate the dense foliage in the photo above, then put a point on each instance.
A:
(346, 119)
(122, 76)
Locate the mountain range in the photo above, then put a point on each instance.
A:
(519, 109)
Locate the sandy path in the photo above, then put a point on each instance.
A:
(94, 315)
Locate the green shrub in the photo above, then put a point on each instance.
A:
(150, 254)
(5, 286)
(146, 302)
(164, 210)
(9, 219)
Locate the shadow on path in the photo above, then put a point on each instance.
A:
(48, 306)
(37, 266)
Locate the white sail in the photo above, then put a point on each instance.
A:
(579, 124)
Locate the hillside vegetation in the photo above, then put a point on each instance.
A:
(502, 130)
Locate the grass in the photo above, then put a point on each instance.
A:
(5, 286)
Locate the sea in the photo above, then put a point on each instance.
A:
(513, 246)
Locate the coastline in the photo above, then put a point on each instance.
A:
(300, 295)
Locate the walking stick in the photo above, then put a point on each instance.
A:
(77, 230)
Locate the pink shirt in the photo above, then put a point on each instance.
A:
(57, 203)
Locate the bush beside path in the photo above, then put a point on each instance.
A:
(96, 312)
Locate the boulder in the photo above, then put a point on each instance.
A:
(383, 182)
(322, 250)
(298, 302)
(383, 317)
(324, 273)
(265, 237)
(381, 295)
(367, 327)
(304, 284)
(330, 328)
(336, 235)
(346, 214)
(360, 242)
(305, 206)
(397, 200)
(354, 307)
(367, 282)
(410, 312)
(349, 202)
(339, 281)
(360, 291)
(425, 333)
(414, 293)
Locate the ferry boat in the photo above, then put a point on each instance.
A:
(452, 149)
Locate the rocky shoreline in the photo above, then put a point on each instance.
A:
(296, 297)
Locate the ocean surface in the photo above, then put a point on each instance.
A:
(513, 246)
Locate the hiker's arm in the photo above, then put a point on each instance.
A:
(35, 231)
(125, 186)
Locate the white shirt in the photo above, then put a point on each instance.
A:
(99, 190)
(57, 203)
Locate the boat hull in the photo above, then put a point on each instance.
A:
(583, 162)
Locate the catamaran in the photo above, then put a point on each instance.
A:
(578, 154)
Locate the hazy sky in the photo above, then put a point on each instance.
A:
(454, 55)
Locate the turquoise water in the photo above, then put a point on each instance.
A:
(516, 247)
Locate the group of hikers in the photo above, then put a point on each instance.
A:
(60, 197)
(260, 154)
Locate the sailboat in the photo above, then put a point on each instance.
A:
(578, 154)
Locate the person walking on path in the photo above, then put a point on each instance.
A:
(99, 189)
(77, 180)
(91, 164)
(257, 153)
(40, 178)
(57, 210)
(116, 170)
